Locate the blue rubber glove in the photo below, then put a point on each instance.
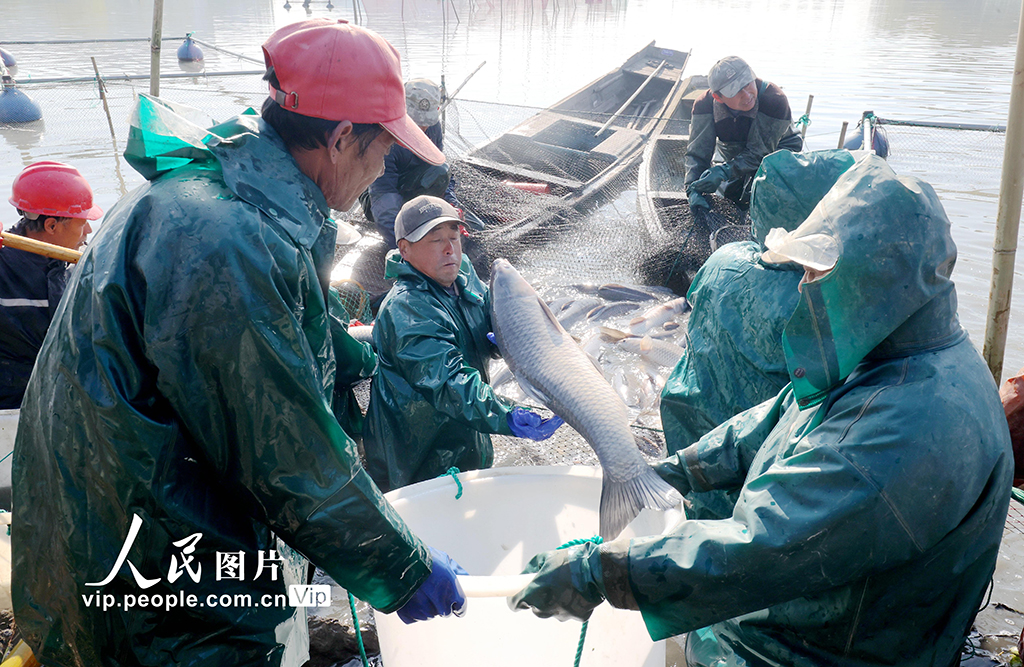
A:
(568, 584)
(440, 595)
(527, 424)
(711, 179)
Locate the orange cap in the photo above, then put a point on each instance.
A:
(338, 71)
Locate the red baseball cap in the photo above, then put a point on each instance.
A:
(338, 71)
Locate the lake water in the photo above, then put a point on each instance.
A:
(936, 60)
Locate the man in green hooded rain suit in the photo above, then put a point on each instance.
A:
(431, 408)
(733, 358)
(178, 449)
(872, 489)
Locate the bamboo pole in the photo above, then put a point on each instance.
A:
(1004, 248)
(807, 116)
(110, 124)
(842, 134)
(154, 46)
(866, 142)
(19, 242)
(450, 98)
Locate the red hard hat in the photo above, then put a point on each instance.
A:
(338, 71)
(55, 190)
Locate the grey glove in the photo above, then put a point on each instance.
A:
(673, 471)
(697, 201)
(711, 179)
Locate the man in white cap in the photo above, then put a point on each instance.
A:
(745, 118)
(406, 175)
(178, 449)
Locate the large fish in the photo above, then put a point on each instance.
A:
(551, 367)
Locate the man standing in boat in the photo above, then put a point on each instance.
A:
(406, 175)
(746, 118)
(178, 450)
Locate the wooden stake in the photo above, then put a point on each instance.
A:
(842, 134)
(154, 47)
(110, 124)
(1004, 248)
(807, 115)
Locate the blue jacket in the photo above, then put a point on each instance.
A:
(30, 289)
(386, 200)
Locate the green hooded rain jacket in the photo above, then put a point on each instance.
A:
(431, 407)
(179, 421)
(872, 491)
(733, 358)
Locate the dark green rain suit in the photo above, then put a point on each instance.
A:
(431, 407)
(733, 358)
(872, 490)
(188, 380)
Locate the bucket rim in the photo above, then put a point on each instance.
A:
(430, 485)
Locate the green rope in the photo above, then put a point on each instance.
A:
(359, 634)
(583, 631)
(804, 120)
(1018, 495)
(454, 472)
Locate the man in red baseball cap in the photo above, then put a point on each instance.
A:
(342, 82)
(179, 446)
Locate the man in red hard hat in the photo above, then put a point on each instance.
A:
(178, 454)
(55, 204)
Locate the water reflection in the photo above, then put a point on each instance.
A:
(191, 65)
(23, 137)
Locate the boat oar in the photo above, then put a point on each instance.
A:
(20, 242)
(461, 86)
(632, 97)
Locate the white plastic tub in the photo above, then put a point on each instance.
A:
(505, 517)
(8, 429)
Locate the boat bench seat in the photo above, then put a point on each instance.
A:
(621, 142)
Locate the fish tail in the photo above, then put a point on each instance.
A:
(622, 501)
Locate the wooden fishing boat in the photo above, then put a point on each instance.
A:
(659, 190)
(574, 151)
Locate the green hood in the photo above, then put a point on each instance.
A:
(789, 185)
(165, 136)
(895, 260)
